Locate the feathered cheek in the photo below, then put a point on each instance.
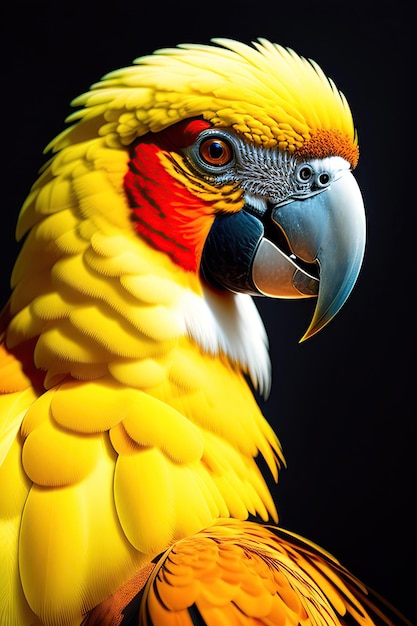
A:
(224, 197)
(198, 201)
(167, 211)
(171, 208)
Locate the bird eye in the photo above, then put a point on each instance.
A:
(215, 151)
(305, 173)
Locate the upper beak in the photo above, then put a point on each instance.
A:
(327, 229)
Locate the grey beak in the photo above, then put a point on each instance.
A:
(328, 229)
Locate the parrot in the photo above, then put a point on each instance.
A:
(183, 187)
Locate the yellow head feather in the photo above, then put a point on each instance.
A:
(267, 93)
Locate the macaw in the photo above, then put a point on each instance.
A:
(132, 348)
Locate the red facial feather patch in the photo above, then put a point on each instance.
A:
(167, 214)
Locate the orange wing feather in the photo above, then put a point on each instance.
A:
(238, 573)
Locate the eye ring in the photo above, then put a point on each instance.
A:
(305, 173)
(215, 151)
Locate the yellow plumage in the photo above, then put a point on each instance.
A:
(127, 420)
(269, 83)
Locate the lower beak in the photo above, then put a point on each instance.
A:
(327, 229)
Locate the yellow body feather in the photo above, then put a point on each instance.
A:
(144, 429)
(141, 448)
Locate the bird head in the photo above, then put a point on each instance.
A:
(232, 162)
(249, 150)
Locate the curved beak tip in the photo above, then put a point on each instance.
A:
(340, 253)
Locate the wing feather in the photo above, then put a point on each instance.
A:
(246, 574)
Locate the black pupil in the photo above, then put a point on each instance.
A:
(216, 150)
(305, 173)
(324, 179)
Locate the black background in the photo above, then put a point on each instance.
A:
(344, 402)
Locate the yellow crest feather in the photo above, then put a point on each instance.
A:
(267, 93)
